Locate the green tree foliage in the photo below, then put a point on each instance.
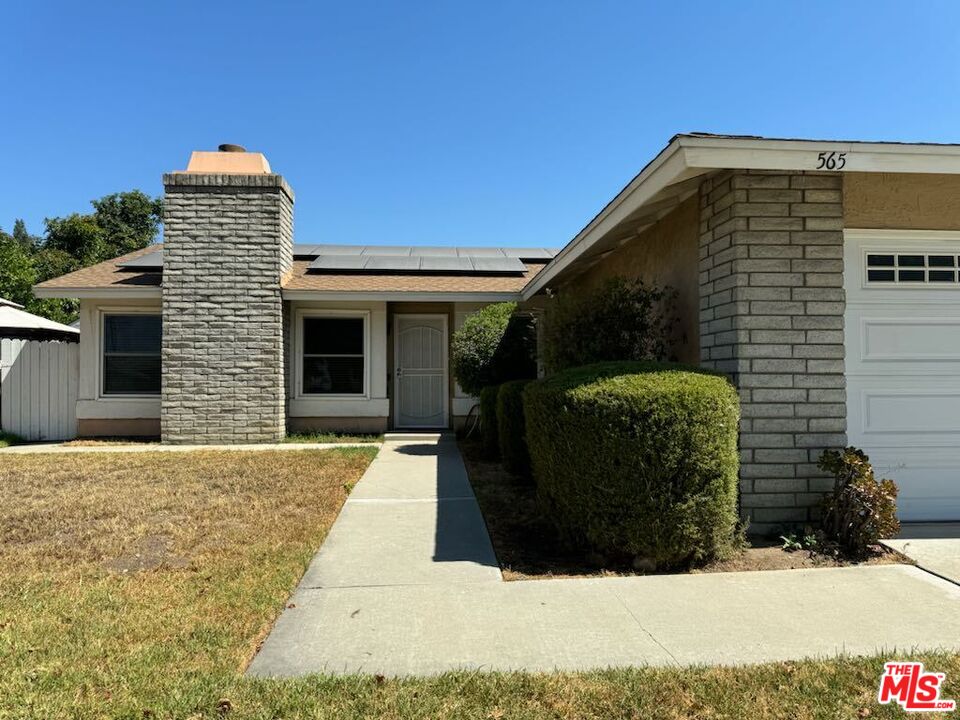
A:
(492, 346)
(129, 221)
(17, 274)
(120, 223)
(624, 319)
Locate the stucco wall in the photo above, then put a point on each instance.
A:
(315, 412)
(99, 415)
(664, 254)
(908, 201)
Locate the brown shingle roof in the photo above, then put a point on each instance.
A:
(108, 275)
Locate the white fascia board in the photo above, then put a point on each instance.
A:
(401, 296)
(665, 169)
(759, 154)
(135, 293)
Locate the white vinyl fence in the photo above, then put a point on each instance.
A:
(38, 388)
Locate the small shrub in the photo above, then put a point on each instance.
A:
(624, 319)
(489, 437)
(860, 510)
(492, 346)
(511, 427)
(638, 459)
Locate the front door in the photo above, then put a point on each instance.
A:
(420, 357)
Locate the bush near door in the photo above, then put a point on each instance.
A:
(511, 428)
(489, 437)
(638, 458)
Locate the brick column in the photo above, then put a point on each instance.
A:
(228, 240)
(771, 315)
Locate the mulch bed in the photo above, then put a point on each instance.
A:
(528, 547)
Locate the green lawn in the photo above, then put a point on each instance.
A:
(138, 586)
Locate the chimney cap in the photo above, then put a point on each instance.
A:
(228, 147)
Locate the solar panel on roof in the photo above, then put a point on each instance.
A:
(338, 249)
(479, 252)
(304, 251)
(380, 263)
(433, 251)
(150, 261)
(386, 251)
(446, 264)
(339, 262)
(529, 253)
(497, 264)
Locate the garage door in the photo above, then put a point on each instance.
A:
(903, 363)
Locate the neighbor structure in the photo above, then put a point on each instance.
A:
(822, 276)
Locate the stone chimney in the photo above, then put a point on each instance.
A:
(227, 243)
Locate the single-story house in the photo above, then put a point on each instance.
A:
(822, 276)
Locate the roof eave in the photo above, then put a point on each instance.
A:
(687, 156)
(97, 292)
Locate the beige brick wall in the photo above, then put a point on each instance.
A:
(771, 315)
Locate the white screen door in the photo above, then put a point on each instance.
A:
(420, 357)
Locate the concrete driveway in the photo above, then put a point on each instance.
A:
(407, 584)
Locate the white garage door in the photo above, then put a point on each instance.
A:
(903, 363)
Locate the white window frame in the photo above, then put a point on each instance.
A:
(299, 346)
(102, 313)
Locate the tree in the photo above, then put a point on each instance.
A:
(492, 346)
(27, 241)
(17, 274)
(77, 235)
(129, 221)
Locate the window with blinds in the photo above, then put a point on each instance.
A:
(333, 356)
(131, 354)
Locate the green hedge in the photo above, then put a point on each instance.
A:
(511, 428)
(638, 458)
(489, 437)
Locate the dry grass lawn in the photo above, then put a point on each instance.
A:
(138, 586)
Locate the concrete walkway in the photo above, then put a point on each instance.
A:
(407, 583)
(934, 547)
(38, 448)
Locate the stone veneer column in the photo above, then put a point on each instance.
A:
(228, 240)
(771, 315)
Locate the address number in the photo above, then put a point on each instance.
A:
(831, 161)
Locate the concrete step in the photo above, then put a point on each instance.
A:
(413, 436)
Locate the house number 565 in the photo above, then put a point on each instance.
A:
(831, 161)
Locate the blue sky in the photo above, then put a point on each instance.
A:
(484, 123)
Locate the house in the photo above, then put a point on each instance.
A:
(16, 323)
(820, 275)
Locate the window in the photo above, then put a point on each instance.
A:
(912, 268)
(333, 356)
(131, 354)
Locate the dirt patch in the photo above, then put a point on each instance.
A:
(149, 553)
(528, 546)
(110, 441)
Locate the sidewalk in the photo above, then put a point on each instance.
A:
(406, 584)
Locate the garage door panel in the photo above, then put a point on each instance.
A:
(903, 371)
(910, 338)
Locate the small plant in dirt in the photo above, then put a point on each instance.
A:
(861, 509)
(624, 319)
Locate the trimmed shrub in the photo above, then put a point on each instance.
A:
(492, 346)
(861, 509)
(511, 428)
(623, 319)
(489, 437)
(638, 458)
